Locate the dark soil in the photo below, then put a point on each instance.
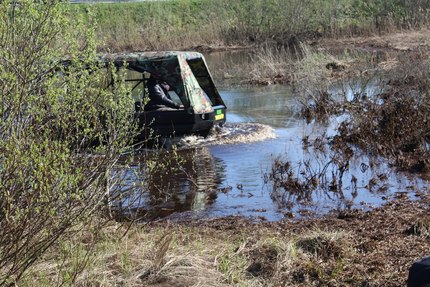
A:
(386, 240)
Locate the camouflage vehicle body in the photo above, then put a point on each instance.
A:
(191, 85)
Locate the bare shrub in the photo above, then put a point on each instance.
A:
(386, 118)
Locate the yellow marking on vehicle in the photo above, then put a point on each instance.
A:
(219, 117)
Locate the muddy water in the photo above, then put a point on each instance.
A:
(228, 172)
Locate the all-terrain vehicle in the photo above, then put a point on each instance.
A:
(191, 85)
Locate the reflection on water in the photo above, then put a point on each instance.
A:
(177, 181)
(271, 105)
(227, 173)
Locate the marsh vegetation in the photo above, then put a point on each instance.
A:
(57, 191)
(378, 112)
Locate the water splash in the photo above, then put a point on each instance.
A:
(230, 133)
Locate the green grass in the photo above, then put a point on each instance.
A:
(179, 24)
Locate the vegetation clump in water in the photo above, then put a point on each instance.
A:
(394, 122)
(377, 114)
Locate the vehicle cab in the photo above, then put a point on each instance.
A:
(191, 85)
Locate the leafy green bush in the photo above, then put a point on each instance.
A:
(50, 178)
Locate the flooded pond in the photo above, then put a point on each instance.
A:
(228, 173)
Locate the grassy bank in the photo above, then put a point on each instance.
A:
(179, 24)
(349, 248)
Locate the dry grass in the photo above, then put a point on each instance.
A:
(302, 66)
(152, 257)
(271, 65)
(352, 248)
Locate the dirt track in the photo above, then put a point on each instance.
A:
(400, 41)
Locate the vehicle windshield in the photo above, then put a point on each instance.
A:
(192, 86)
